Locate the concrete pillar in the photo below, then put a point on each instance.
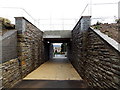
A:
(20, 24)
(119, 9)
(85, 23)
(51, 51)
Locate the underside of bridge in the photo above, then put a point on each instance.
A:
(57, 40)
(49, 45)
(56, 36)
(56, 72)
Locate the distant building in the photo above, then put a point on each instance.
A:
(119, 9)
(57, 48)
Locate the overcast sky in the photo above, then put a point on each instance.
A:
(50, 13)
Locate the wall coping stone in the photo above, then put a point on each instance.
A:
(8, 33)
(80, 20)
(109, 40)
(28, 21)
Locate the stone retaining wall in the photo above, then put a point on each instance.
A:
(1, 76)
(9, 66)
(30, 53)
(10, 73)
(95, 59)
(104, 62)
(30, 45)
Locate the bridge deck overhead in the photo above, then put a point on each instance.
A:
(57, 40)
(57, 34)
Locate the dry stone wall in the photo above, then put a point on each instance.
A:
(10, 73)
(95, 59)
(30, 53)
(104, 61)
(9, 65)
(30, 46)
(1, 76)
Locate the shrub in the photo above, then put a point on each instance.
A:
(6, 23)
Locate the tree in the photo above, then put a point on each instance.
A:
(64, 47)
(117, 20)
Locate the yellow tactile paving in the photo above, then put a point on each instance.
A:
(56, 69)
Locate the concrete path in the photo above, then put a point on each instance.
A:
(56, 69)
(57, 73)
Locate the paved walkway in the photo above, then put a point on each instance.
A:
(56, 69)
(57, 73)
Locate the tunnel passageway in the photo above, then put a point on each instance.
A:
(59, 68)
(55, 73)
(32, 58)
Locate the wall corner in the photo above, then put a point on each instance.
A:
(85, 23)
(20, 24)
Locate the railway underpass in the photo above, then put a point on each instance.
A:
(28, 61)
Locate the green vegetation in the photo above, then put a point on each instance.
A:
(6, 23)
(97, 25)
(117, 20)
(63, 47)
